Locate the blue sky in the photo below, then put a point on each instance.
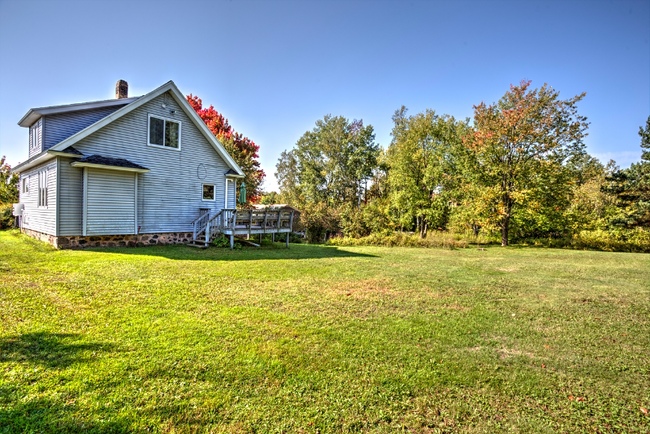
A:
(274, 67)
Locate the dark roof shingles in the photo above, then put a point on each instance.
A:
(107, 161)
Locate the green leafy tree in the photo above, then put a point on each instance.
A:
(631, 187)
(520, 146)
(422, 165)
(330, 163)
(8, 184)
(8, 194)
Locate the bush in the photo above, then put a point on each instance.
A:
(434, 239)
(622, 240)
(6, 216)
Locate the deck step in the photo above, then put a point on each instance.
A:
(198, 244)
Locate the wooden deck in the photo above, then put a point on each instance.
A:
(231, 222)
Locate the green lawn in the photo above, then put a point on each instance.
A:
(322, 339)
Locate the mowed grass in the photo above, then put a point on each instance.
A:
(322, 339)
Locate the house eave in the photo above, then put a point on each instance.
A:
(107, 167)
(64, 154)
(34, 161)
(35, 114)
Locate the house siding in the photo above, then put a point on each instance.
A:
(60, 126)
(170, 195)
(41, 219)
(70, 198)
(232, 194)
(110, 207)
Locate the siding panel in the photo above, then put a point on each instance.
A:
(59, 127)
(42, 219)
(70, 198)
(111, 202)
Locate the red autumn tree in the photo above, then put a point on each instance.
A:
(242, 149)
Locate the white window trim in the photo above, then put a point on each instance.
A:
(214, 193)
(43, 179)
(225, 204)
(25, 185)
(164, 119)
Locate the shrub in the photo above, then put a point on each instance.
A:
(621, 240)
(434, 239)
(6, 216)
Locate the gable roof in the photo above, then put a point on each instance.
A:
(35, 114)
(180, 100)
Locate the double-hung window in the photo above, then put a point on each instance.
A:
(165, 133)
(35, 134)
(42, 187)
(25, 185)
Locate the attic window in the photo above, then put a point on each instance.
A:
(35, 134)
(165, 133)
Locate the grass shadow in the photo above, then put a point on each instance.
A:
(43, 415)
(267, 251)
(53, 350)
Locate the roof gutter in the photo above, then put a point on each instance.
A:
(42, 158)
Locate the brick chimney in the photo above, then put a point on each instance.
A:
(121, 89)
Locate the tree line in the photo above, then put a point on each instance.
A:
(518, 169)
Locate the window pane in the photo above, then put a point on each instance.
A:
(171, 134)
(208, 192)
(156, 128)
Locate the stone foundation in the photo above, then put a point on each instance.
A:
(140, 240)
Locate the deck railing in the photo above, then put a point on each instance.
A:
(241, 222)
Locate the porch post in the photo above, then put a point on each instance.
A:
(232, 241)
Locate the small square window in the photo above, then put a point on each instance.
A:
(208, 192)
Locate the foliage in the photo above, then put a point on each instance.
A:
(434, 239)
(321, 338)
(631, 188)
(242, 149)
(329, 164)
(373, 217)
(6, 216)
(8, 194)
(270, 198)
(8, 184)
(635, 240)
(422, 166)
(519, 149)
(319, 220)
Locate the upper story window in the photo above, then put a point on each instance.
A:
(164, 132)
(42, 187)
(35, 134)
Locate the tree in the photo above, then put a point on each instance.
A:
(8, 184)
(330, 163)
(242, 149)
(520, 143)
(631, 187)
(8, 194)
(422, 161)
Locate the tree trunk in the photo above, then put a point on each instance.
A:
(505, 225)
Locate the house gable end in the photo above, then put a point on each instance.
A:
(182, 104)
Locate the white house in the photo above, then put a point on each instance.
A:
(126, 171)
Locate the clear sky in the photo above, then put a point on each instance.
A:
(274, 67)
